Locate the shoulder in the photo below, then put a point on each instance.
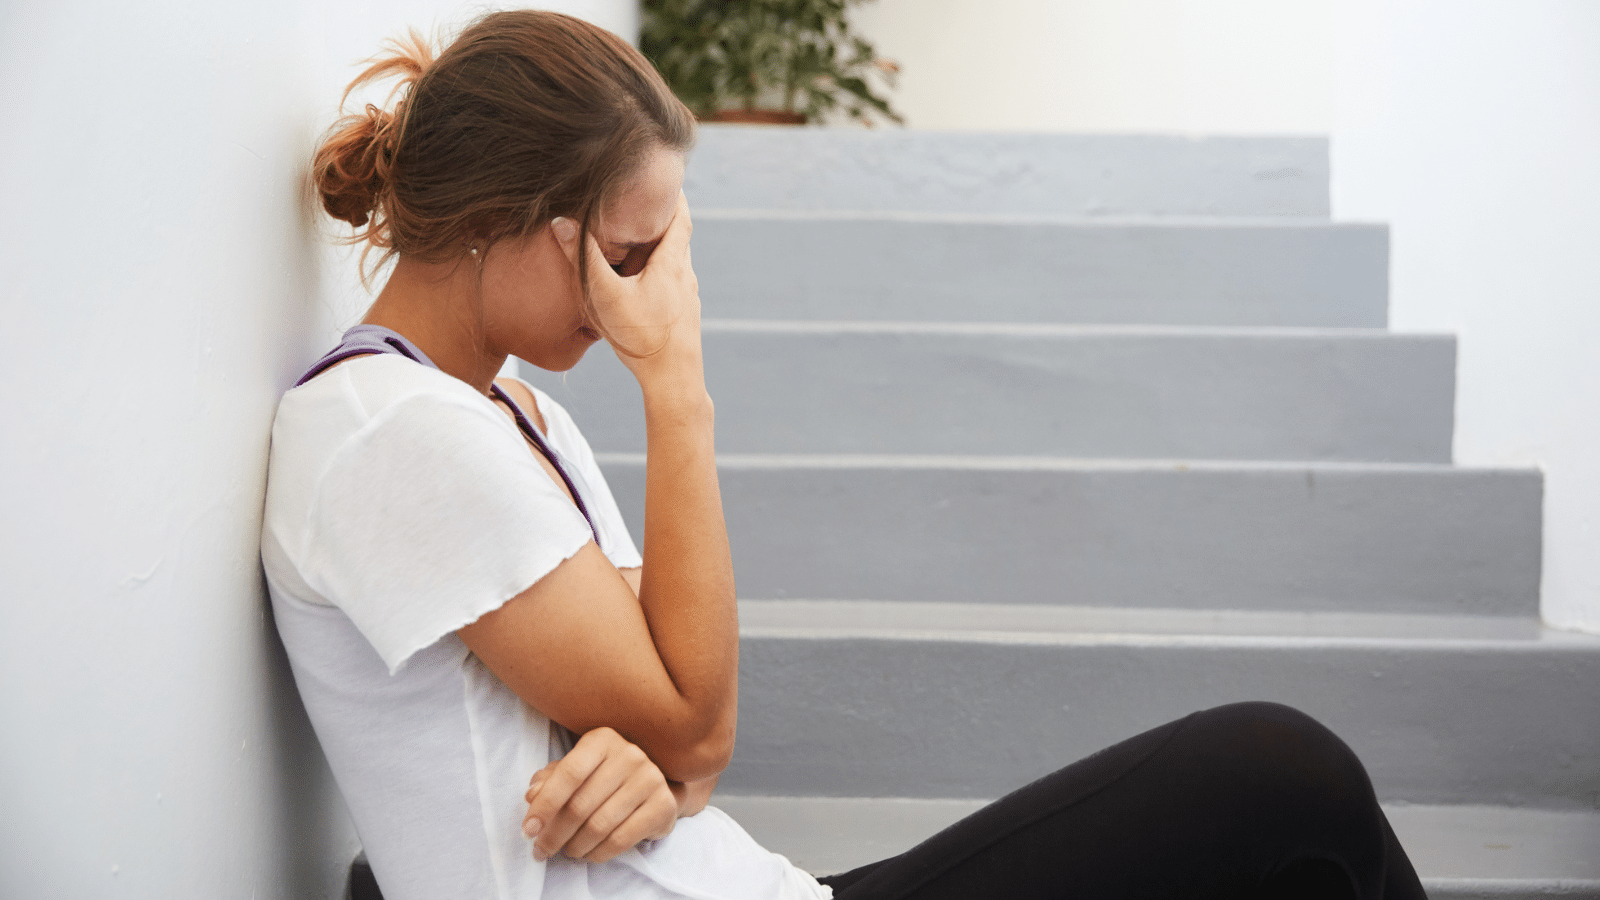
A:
(370, 391)
(382, 380)
(379, 406)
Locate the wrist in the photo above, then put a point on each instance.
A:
(681, 401)
(673, 364)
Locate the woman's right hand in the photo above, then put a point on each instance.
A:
(653, 318)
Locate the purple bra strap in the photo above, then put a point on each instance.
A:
(365, 340)
(538, 441)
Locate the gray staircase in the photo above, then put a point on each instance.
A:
(1197, 271)
(1062, 437)
(1412, 695)
(1178, 535)
(1142, 392)
(1008, 174)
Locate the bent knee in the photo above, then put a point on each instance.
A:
(1267, 721)
(1279, 738)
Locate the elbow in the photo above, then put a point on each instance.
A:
(699, 757)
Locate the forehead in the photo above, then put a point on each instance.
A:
(644, 207)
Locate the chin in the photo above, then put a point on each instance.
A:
(562, 359)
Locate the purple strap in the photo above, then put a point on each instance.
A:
(365, 340)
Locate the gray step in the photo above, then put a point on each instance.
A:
(1083, 391)
(927, 267)
(928, 171)
(1377, 538)
(971, 700)
(1462, 852)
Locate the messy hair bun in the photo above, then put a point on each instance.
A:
(352, 168)
(527, 115)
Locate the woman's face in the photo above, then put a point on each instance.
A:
(533, 302)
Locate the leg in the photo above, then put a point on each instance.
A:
(1249, 800)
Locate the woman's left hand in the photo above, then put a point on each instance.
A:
(599, 800)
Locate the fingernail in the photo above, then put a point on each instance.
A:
(564, 228)
(530, 827)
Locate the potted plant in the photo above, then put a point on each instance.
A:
(781, 61)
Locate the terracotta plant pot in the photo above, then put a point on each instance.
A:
(756, 117)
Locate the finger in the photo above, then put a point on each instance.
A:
(581, 781)
(562, 780)
(588, 802)
(650, 820)
(676, 241)
(650, 813)
(566, 233)
(634, 791)
(537, 780)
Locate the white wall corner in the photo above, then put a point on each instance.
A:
(1473, 130)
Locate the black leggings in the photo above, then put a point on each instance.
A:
(1253, 800)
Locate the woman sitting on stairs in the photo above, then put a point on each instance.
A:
(515, 703)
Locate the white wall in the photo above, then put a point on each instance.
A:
(1474, 129)
(1187, 66)
(161, 286)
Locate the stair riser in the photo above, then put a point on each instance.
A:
(1454, 889)
(753, 168)
(1428, 541)
(1168, 396)
(1460, 851)
(1478, 723)
(1289, 275)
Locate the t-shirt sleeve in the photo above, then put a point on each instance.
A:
(430, 515)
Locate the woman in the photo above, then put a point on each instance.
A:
(460, 599)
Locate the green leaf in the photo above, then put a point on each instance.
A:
(719, 53)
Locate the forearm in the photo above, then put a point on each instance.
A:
(676, 696)
(687, 587)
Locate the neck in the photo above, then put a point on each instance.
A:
(436, 306)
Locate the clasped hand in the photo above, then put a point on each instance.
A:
(597, 801)
(652, 317)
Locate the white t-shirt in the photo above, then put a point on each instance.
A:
(402, 505)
